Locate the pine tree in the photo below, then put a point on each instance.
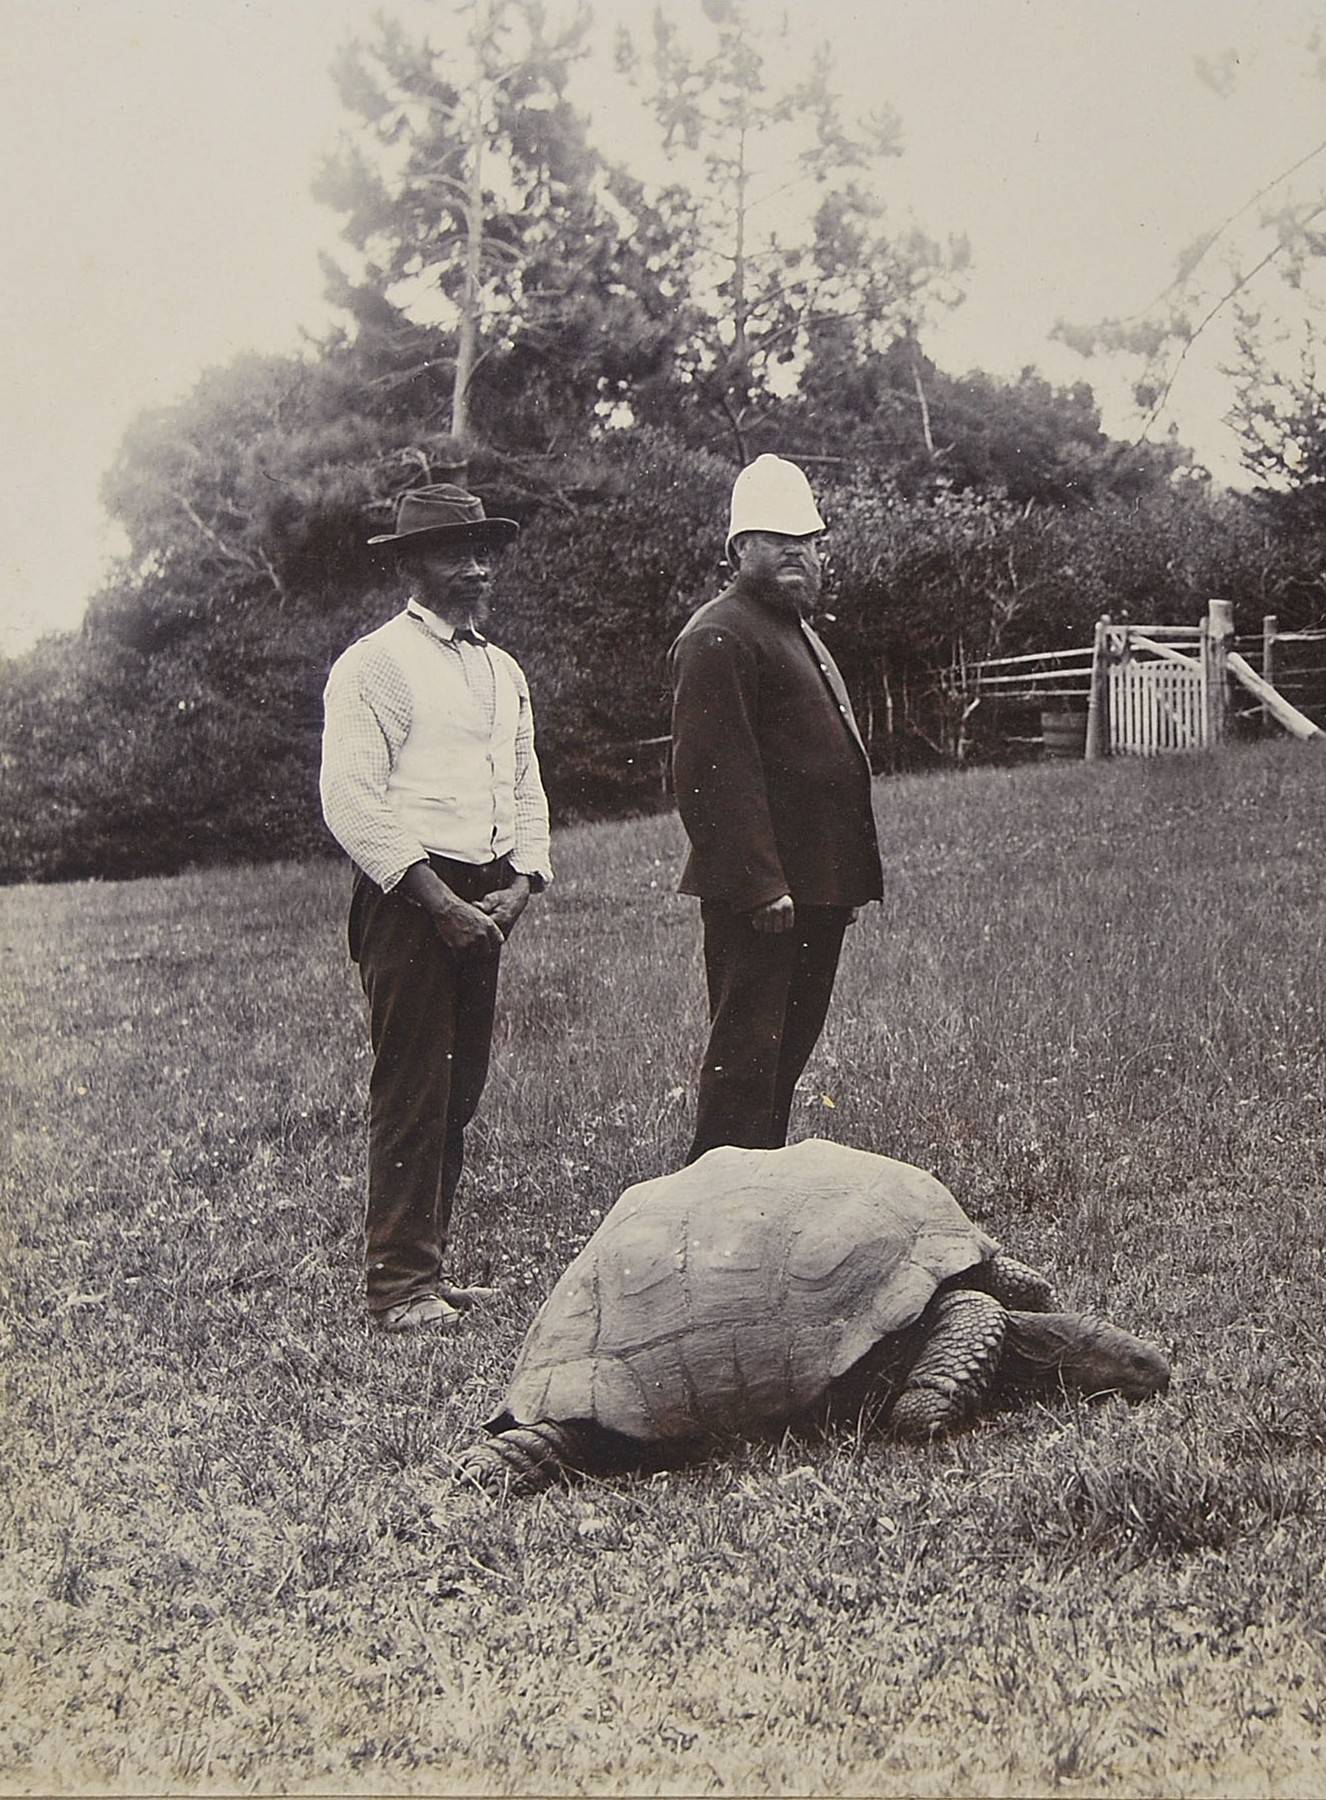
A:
(514, 261)
(783, 212)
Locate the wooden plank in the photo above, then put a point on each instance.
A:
(1098, 699)
(999, 662)
(1270, 631)
(1215, 668)
(1032, 696)
(1298, 724)
(1177, 631)
(1131, 723)
(1029, 675)
(1137, 642)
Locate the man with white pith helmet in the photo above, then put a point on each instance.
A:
(773, 787)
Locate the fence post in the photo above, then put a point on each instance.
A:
(1217, 636)
(1098, 695)
(1270, 631)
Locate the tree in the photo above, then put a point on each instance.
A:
(1279, 409)
(509, 256)
(1024, 439)
(761, 292)
(253, 490)
(1279, 413)
(591, 599)
(1257, 276)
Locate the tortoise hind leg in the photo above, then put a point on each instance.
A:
(523, 1459)
(955, 1367)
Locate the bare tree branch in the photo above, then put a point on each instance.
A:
(255, 562)
(1222, 228)
(1211, 314)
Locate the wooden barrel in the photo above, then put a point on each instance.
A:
(1064, 736)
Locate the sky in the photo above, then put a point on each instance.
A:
(157, 220)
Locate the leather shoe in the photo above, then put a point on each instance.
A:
(422, 1309)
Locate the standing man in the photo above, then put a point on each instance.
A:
(773, 786)
(431, 785)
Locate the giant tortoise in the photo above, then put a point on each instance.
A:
(747, 1290)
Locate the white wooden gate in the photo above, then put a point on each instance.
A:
(1148, 689)
(1167, 687)
(1156, 707)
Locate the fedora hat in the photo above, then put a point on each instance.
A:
(444, 514)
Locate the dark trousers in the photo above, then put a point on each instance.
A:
(431, 1023)
(768, 998)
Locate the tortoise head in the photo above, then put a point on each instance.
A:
(1085, 1353)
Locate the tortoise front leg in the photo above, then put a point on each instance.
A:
(523, 1459)
(1014, 1284)
(956, 1365)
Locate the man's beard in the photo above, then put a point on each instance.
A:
(799, 598)
(457, 609)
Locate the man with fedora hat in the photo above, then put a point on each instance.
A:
(773, 786)
(431, 785)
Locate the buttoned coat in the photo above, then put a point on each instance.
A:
(770, 774)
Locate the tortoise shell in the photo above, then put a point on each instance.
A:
(731, 1294)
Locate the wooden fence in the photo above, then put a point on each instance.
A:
(1294, 663)
(1148, 690)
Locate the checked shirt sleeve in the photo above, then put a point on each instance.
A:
(531, 855)
(366, 718)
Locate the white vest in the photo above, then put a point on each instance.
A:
(453, 782)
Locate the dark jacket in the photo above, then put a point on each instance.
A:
(771, 778)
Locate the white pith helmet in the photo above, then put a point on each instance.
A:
(773, 495)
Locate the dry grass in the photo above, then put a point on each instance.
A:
(1093, 1001)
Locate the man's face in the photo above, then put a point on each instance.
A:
(786, 566)
(452, 581)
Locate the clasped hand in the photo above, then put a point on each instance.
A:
(480, 927)
(474, 928)
(468, 929)
(505, 905)
(776, 916)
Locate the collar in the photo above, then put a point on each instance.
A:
(439, 628)
(770, 605)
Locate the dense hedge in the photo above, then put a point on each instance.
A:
(178, 730)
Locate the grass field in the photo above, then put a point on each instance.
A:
(1093, 1001)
